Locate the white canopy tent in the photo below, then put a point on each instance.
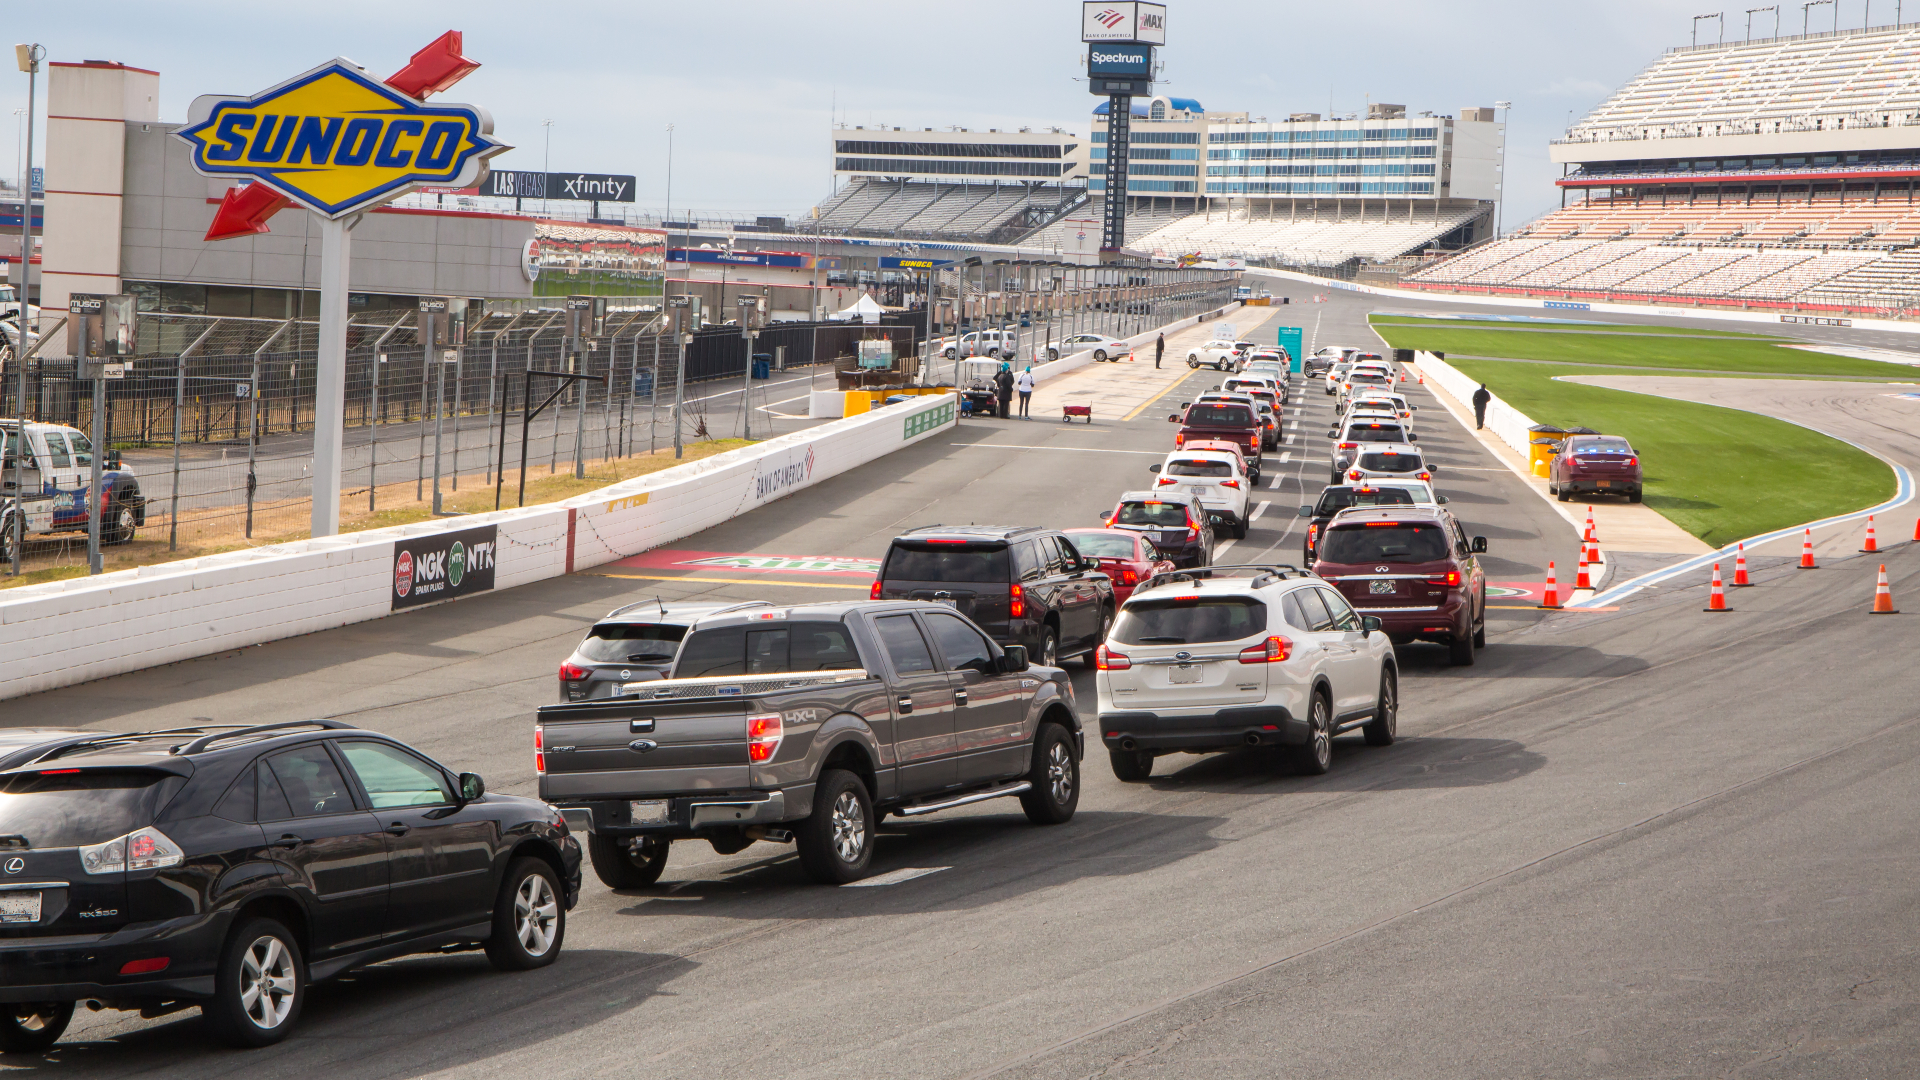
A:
(863, 309)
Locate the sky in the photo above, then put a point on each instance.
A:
(751, 88)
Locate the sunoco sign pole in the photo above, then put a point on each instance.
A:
(338, 142)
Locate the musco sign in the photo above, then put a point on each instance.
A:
(427, 569)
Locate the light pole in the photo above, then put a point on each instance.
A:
(29, 57)
(1500, 204)
(546, 165)
(1811, 4)
(1723, 26)
(1775, 8)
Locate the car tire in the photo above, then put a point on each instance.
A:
(529, 917)
(1099, 355)
(120, 530)
(836, 840)
(30, 1028)
(1049, 652)
(1130, 766)
(1563, 495)
(1106, 627)
(617, 868)
(260, 958)
(1460, 650)
(1053, 354)
(1055, 776)
(1633, 496)
(1385, 725)
(1315, 756)
(950, 353)
(1240, 527)
(1480, 636)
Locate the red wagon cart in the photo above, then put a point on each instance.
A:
(1068, 412)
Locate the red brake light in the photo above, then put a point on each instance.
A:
(1180, 439)
(1426, 476)
(1235, 484)
(874, 593)
(539, 752)
(57, 772)
(764, 733)
(1106, 659)
(1017, 601)
(1129, 577)
(1165, 480)
(1632, 461)
(572, 672)
(1349, 445)
(1253, 442)
(1450, 579)
(144, 967)
(1271, 651)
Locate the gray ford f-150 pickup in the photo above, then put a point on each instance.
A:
(806, 723)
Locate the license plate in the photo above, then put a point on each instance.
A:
(19, 907)
(1183, 673)
(1381, 588)
(648, 812)
(1606, 483)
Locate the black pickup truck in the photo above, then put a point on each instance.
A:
(805, 724)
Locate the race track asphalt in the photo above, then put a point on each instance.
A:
(1649, 841)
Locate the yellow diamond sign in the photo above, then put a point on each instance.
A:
(339, 141)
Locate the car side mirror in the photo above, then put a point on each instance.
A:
(471, 786)
(1479, 543)
(1154, 468)
(1411, 437)
(1013, 659)
(1369, 623)
(1306, 511)
(1173, 419)
(1413, 408)
(1333, 434)
(1440, 500)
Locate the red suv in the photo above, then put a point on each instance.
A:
(1414, 569)
(1595, 465)
(1226, 421)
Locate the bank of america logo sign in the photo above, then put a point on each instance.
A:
(1109, 18)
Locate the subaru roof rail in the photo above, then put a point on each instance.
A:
(1261, 573)
(205, 741)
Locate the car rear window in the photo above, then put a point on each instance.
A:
(1198, 467)
(1602, 446)
(1397, 542)
(922, 561)
(1388, 461)
(1376, 433)
(1189, 620)
(1369, 379)
(1094, 546)
(73, 809)
(1220, 416)
(632, 643)
(767, 650)
(1334, 500)
(1164, 515)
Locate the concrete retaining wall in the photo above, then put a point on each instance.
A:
(1505, 421)
(66, 632)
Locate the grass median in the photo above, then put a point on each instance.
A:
(1675, 350)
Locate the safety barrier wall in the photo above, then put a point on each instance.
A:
(66, 632)
(1507, 423)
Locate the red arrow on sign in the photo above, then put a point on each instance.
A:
(244, 211)
(434, 68)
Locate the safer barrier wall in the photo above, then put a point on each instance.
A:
(1509, 424)
(67, 632)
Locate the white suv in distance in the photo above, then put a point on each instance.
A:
(1218, 355)
(1230, 656)
(992, 343)
(1216, 479)
(1388, 461)
(1336, 374)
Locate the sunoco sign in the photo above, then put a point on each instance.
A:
(427, 569)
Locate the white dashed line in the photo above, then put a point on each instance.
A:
(1257, 511)
(895, 877)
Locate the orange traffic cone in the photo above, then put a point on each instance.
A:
(1590, 533)
(1916, 531)
(1740, 569)
(1580, 580)
(1883, 596)
(1717, 599)
(1872, 545)
(1806, 552)
(1552, 599)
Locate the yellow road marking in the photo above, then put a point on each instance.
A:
(737, 581)
(1170, 389)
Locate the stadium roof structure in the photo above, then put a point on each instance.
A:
(1184, 104)
(1850, 90)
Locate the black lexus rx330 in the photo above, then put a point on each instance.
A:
(229, 868)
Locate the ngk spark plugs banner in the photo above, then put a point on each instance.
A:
(443, 566)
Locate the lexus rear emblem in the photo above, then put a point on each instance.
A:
(16, 864)
(1381, 569)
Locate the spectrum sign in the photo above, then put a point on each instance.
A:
(337, 140)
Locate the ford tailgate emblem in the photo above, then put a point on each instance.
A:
(643, 746)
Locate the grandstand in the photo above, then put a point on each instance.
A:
(912, 209)
(1779, 173)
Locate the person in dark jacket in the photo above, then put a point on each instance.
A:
(1003, 386)
(1480, 399)
(1159, 349)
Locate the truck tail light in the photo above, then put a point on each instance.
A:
(539, 751)
(1271, 651)
(1253, 442)
(1179, 439)
(573, 672)
(874, 593)
(764, 732)
(1106, 659)
(1450, 579)
(1016, 601)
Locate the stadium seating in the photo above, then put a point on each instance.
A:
(913, 209)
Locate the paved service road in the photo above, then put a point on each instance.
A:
(1647, 841)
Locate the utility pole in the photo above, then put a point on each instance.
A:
(29, 57)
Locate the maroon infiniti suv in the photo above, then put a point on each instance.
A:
(1414, 569)
(1595, 465)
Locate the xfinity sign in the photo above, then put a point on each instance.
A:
(1143, 24)
(1124, 61)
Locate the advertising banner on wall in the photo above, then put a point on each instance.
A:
(579, 187)
(1123, 21)
(445, 566)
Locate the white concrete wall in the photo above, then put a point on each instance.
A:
(1506, 422)
(67, 632)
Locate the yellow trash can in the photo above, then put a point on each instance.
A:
(1544, 438)
(858, 401)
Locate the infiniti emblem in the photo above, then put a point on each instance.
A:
(1381, 569)
(15, 865)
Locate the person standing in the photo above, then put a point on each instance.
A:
(1159, 350)
(1003, 388)
(1025, 384)
(1480, 399)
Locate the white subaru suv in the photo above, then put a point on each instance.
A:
(1217, 478)
(1230, 656)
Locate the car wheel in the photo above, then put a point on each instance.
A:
(1106, 627)
(122, 527)
(1055, 777)
(949, 354)
(1193, 362)
(1564, 495)
(1131, 766)
(529, 917)
(836, 840)
(30, 1028)
(1633, 496)
(1316, 756)
(1460, 650)
(1099, 355)
(1053, 354)
(259, 986)
(1480, 636)
(619, 866)
(1049, 647)
(1386, 713)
